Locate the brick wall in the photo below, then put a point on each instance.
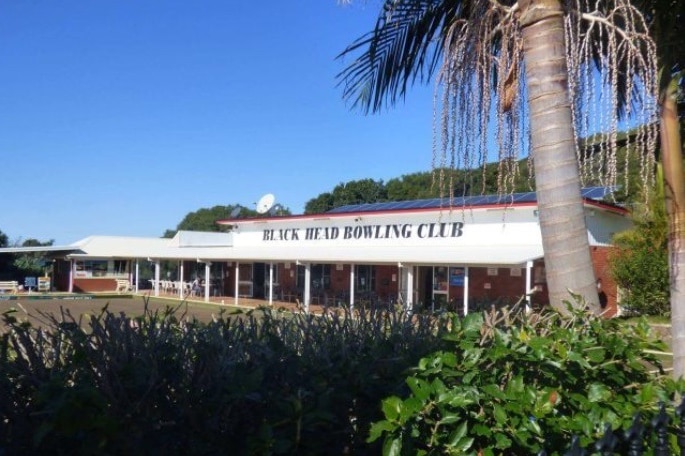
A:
(506, 283)
(92, 285)
(600, 260)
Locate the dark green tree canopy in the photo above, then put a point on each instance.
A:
(5, 260)
(205, 219)
(352, 192)
(32, 263)
(666, 20)
(419, 185)
(319, 204)
(17, 266)
(410, 186)
(639, 264)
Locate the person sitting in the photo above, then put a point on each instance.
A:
(196, 288)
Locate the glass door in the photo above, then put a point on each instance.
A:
(440, 287)
(245, 284)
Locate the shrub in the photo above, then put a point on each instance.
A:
(639, 263)
(640, 267)
(511, 383)
(265, 382)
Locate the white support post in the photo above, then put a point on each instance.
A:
(409, 288)
(351, 286)
(466, 290)
(271, 284)
(181, 282)
(71, 276)
(137, 285)
(237, 282)
(401, 283)
(208, 266)
(307, 286)
(529, 280)
(157, 274)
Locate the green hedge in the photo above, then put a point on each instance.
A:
(515, 384)
(260, 383)
(270, 382)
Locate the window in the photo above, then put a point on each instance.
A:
(440, 278)
(91, 268)
(320, 275)
(245, 285)
(365, 278)
(120, 268)
(245, 271)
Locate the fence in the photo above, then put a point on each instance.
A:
(639, 436)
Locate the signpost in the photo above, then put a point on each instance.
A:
(29, 283)
(44, 283)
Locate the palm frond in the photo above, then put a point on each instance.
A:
(404, 46)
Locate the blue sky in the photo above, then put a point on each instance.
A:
(120, 117)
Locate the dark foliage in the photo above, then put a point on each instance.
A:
(258, 383)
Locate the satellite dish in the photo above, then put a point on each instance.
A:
(236, 212)
(275, 209)
(265, 203)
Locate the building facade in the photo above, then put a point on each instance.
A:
(460, 255)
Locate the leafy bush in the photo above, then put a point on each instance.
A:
(639, 264)
(640, 268)
(511, 383)
(257, 383)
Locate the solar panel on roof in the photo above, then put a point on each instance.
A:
(405, 205)
(528, 197)
(596, 193)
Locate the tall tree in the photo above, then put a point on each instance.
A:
(639, 264)
(6, 268)
(666, 19)
(411, 186)
(514, 59)
(320, 204)
(205, 219)
(352, 192)
(420, 185)
(34, 263)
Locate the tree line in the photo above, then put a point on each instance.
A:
(25, 264)
(418, 185)
(639, 266)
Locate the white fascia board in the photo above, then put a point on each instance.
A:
(471, 255)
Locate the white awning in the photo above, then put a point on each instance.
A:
(166, 249)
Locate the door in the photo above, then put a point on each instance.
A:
(260, 278)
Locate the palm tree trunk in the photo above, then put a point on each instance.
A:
(674, 190)
(568, 262)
